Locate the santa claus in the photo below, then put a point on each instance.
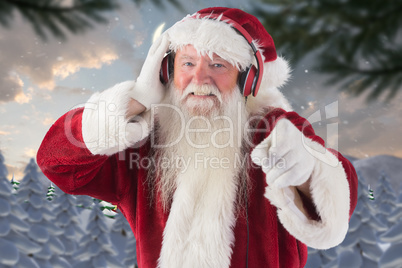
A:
(207, 172)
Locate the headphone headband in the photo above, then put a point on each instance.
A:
(256, 82)
(249, 80)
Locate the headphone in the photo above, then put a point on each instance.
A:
(249, 80)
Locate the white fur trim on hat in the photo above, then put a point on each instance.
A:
(212, 36)
(276, 74)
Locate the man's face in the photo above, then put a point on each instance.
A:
(201, 70)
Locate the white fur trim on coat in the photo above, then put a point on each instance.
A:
(105, 128)
(199, 230)
(331, 197)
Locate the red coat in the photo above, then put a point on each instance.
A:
(75, 170)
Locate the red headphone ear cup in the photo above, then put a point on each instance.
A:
(164, 72)
(246, 81)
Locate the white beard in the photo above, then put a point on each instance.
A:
(202, 181)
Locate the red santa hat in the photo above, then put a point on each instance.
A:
(220, 36)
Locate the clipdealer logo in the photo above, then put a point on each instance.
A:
(112, 130)
(201, 161)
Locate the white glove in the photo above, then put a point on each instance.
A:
(148, 88)
(288, 159)
(286, 162)
(284, 156)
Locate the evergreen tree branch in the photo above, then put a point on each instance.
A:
(54, 18)
(353, 70)
(160, 3)
(49, 7)
(50, 16)
(343, 34)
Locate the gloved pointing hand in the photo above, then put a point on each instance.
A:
(284, 156)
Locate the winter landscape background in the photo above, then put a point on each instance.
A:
(42, 78)
(40, 226)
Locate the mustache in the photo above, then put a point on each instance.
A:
(202, 90)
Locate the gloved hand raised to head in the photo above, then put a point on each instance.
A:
(109, 122)
(148, 88)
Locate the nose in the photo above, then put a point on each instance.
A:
(201, 74)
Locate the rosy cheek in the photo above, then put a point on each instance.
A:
(226, 84)
(181, 80)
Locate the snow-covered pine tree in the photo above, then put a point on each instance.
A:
(123, 238)
(385, 200)
(392, 256)
(346, 259)
(15, 184)
(15, 247)
(108, 209)
(50, 192)
(360, 241)
(84, 201)
(43, 230)
(68, 219)
(318, 258)
(95, 247)
(131, 253)
(396, 214)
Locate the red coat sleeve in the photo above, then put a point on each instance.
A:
(65, 160)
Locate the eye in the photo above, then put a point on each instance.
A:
(218, 65)
(188, 64)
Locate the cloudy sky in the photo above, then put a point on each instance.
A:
(40, 81)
